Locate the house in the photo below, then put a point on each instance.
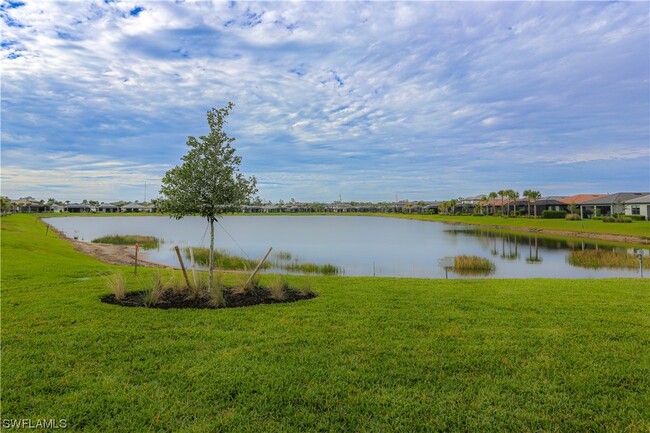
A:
(608, 205)
(573, 202)
(133, 207)
(638, 206)
(107, 208)
(34, 208)
(78, 208)
(57, 208)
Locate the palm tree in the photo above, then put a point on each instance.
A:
(453, 203)
(513, 195)
(534, 196)
(527, 195)
(493, 196)
(502, 193)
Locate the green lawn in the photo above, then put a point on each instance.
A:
(369, 354)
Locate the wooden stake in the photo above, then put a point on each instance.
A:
(192, 265)
(259, 265)
(180, 259)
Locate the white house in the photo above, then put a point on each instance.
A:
(638, 206)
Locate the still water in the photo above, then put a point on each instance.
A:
(362, 246)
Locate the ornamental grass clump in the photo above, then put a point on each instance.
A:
(279, 285)
(597, 259)
(473, 265)
(153, 296)
(117, 285)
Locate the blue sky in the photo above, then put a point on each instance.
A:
(369, 101)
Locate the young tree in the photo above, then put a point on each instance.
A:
(208, 182)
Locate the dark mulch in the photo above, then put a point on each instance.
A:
(169, 299)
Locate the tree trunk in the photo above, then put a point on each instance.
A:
(216, 292)
(211, 257)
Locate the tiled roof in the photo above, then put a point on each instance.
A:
(581, 198)
(640, 200)
(619, 197)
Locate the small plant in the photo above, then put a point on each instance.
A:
(278, 287)
(305, 289)
(244, 285)
(215, 293)
(117, 285)
(154, 295)
(176, 283)
(199, 286)
(572, 217)
(472, 265)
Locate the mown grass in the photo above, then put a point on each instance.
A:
(146, 242)
(369, 354)
(598, 259)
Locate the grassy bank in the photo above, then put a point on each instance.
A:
(369, 354)
(639, 229)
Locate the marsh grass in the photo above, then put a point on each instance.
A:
(283, 256)
(597, 259)
(223, 260)
(117, 284)
(311, 268)
(146, 242)
(473, 265)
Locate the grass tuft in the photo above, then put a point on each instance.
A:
(278, 287)
(153, 295)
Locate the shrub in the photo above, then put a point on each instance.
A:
(117, 285)
(553, 214)
(572, 217)
(617, 219)
(636, 217)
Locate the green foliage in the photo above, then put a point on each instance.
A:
(146, 242)
(637, 217)
(208, 182)
(598, 259)
(553, 214)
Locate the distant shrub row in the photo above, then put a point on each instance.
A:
(554, 214)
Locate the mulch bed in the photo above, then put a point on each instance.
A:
(170, 299)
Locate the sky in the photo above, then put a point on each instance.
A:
(362, 101)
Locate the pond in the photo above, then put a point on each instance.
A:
(357, 245)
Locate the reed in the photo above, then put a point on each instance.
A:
(597, 259)
(146, 242)
(283, 256)
(473, 265)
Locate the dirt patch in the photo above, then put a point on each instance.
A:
(234, 299)
(115, 254)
